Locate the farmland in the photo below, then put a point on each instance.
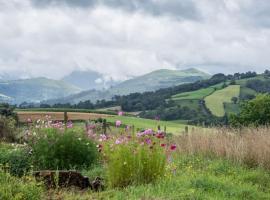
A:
(138, 123)
(58, 116)
(215, 102)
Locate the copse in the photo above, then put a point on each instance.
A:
(255, 112)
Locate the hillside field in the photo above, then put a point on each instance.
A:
(140, 123)
(215, 102)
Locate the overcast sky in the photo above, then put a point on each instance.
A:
(125, 38)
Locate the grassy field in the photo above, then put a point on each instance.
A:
(140, 123)
(215, 102)
(198, 94)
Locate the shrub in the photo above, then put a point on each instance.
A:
(255, 112)
(68, 149)
(7, 129)
(16, 160)
(134, 160)
(19, 189)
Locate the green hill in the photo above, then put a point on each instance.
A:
(34, 90)
(149, 82)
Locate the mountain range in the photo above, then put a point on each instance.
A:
(89, 85)
(149, 82)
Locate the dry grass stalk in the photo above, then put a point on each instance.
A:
(248, 146)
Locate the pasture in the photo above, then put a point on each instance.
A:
(215, 102)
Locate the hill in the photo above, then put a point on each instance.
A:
(34, 90)
(149, 82)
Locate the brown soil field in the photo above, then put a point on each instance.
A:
(34, 116)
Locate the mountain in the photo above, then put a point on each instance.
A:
(88, 80)
(149, 82)
(34, 90)
(158, 79)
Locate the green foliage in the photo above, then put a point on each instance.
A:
(198, 94)
(8, 129)
(12, 188)
(69, 149)
(134, 163)
(255, 112)
(16, 161)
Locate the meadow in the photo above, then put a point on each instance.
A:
(215, 102)
(134, 163)
(218, 164)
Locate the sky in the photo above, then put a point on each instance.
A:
(124, 38)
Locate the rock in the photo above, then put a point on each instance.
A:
(53, 179)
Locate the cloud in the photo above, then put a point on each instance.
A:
(128, 38)
(175, 8)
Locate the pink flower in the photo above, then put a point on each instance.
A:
(118, 123)
(120, 113)
(160, 135)
(148, 132)
(148, 141)
(69, 125)
(29, 120)
(173, 147)
(163, 145)
(118, 141)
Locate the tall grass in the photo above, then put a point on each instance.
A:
(248, 146)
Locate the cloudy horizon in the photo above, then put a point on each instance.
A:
(123, 38)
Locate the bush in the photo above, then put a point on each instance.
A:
(255, 112)
(7, 129)
(19, 189)
(17, 161)
(69, 149)
(134, 161)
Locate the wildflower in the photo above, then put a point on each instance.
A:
(118, 141)
(160, 135)
(69, 125)
(148, 132)
(79, 139)
(118, 123)
(163, 145)
(173, 147)
(120, 113)
(148, 141)
(29, 120)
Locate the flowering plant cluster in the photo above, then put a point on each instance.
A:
(134, 158)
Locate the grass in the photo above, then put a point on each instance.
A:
(140, 123)
(215, 102)
(248, 147)
(196, 177)
(198, 94)
(190, 103)
(247, 91)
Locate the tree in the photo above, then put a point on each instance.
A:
(255, 112)
(234, 100)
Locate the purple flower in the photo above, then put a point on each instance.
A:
(148, 132)
(148, 141)
(118, 123)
